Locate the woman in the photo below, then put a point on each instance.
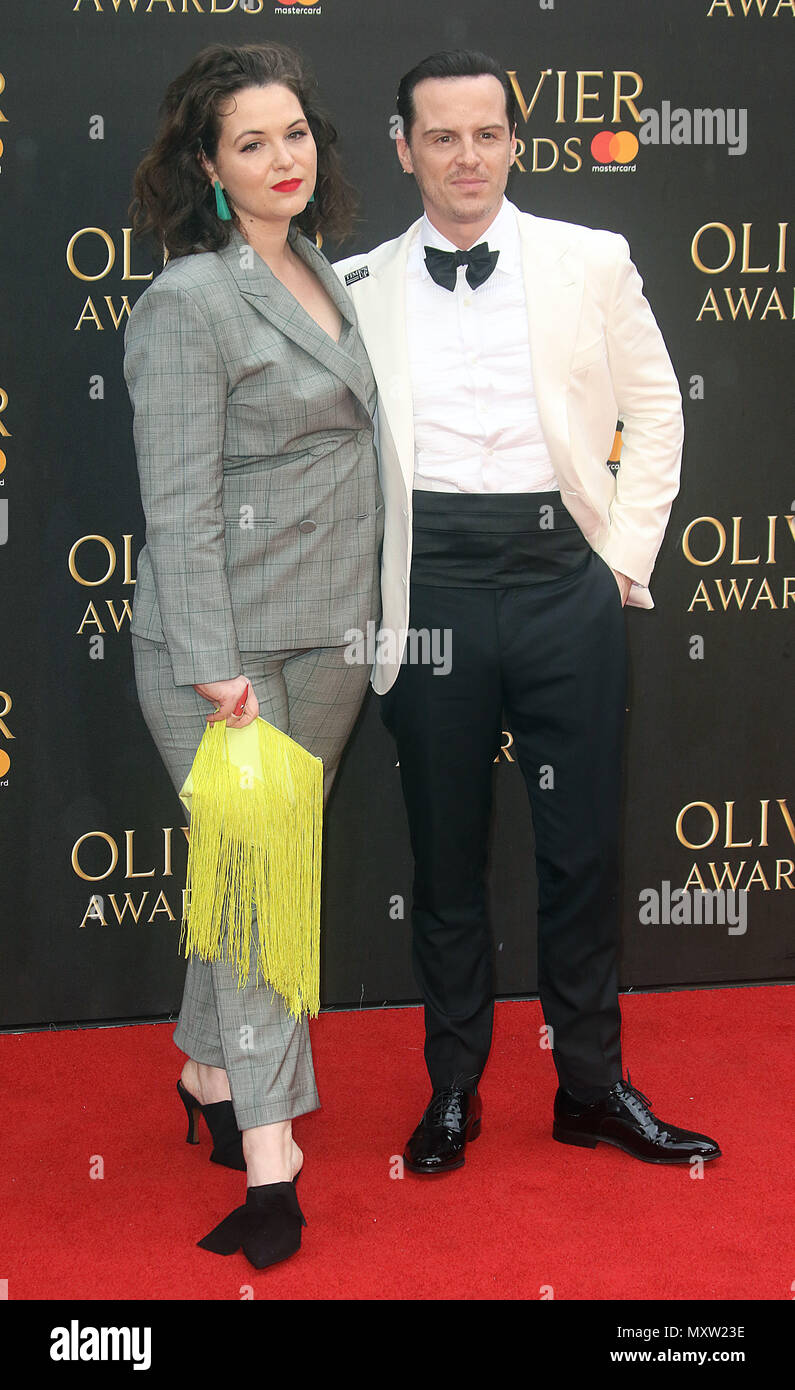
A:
(253, 401)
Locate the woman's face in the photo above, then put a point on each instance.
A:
(266, 157)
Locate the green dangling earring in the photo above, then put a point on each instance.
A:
(222, 207)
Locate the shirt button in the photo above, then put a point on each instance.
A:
(307, 526)
(404, 580)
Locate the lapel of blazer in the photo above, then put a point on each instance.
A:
(553, 282)
(381, 311)
(259, 286)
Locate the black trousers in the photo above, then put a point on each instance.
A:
(536, 634)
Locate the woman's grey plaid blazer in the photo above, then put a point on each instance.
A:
(253, 435)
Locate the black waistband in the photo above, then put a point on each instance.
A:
(492, 511)
(493, 540)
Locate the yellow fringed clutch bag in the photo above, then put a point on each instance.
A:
(255, 798)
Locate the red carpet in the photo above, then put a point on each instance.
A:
(525, 1213)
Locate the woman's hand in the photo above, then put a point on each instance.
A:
(225, 695)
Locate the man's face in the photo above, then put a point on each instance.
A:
(461, 148)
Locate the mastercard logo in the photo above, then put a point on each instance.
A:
(614, 147)
(285, 4)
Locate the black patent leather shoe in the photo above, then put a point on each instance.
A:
(624, 1118)
(451, 1120)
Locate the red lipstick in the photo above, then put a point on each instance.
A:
(287, 186)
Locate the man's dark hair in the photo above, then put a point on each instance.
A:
(462, 63)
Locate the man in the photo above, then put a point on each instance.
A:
(502, 375)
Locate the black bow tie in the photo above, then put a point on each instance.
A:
(443, 265)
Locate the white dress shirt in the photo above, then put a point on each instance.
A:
(476, 426)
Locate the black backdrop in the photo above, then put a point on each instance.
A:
(710, 741)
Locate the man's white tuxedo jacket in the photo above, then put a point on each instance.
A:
(597, 356)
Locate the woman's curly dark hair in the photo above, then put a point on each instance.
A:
(175, 200)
